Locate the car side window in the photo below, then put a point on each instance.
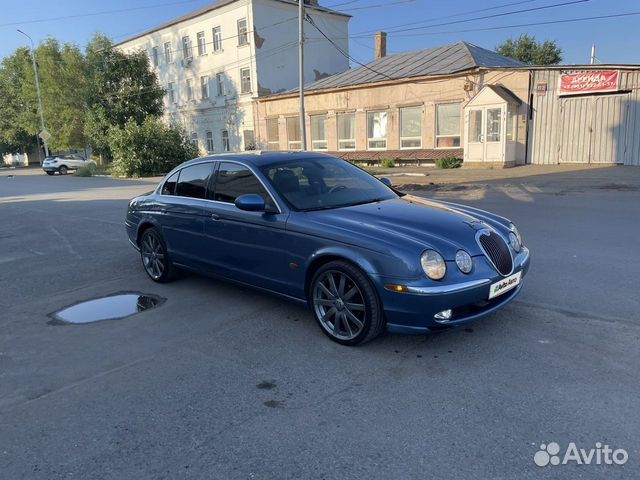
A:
(169, 187)
(193, 180)
(233, 180)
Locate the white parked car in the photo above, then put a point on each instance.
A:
(63, 163)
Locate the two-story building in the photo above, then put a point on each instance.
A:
(215, 62)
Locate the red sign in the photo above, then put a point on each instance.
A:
(591, 81)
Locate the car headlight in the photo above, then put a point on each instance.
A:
(515, 240)
(464, 261)
(433, 265)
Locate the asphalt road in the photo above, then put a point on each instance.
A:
(222, 382)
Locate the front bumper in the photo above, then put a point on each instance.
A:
(413, 310)
(50, 168)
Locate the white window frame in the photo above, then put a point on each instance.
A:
(402, 139)
(187, 50)
(190, 91)
(220, 84)
(294, 144)
(202, 43)
(341, 141)
(210, 142)
(319, 144)
(168, 53)
(171, 93)
(193, 139)
(204, 87)
(378, 139)
(435, 124)
(270, 141)
(217, 38)
(154, 56)
(226, 146)
(243, 35)
(244, 84)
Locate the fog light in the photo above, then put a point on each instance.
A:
(443, 315)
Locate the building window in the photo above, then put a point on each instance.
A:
(494, 122)
(220, 83)
(171, 94)
(318, 132)
(475, 126)
(273, 140)
(186, 47)
(225, 140)
(411, 127)
(448, 125)
(204, 87)
(210, 142)
(512, 125)
(346, 131)
(294, 141)
(243, 37)
(194, 139)
(217, 39)
(154, 56)
(189, 89)
(377, 130)
(202, 44)
(249, 140)
(168, 54)
(245, 80)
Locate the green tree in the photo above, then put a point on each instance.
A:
(122, 88)
(61, 69)
(148, 148)
(526, 49)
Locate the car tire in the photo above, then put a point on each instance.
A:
(155, 257)
(50, 173)
(345, 304)
(63, 170)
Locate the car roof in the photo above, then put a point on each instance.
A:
(259, 158)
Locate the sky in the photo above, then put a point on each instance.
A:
(433, 23)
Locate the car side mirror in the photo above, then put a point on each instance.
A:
(250, 202)
(386, 181)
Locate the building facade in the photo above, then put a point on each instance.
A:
(413, 107)
(215, 62)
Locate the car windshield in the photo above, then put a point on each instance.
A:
(325, 182)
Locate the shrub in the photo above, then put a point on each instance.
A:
(148, 149)
(448, 162)
(91, 170)
(388, 163)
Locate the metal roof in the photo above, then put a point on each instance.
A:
(215, 6)
(444, 60)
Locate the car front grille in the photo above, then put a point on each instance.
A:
(497, 251)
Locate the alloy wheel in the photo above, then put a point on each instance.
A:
(339, 305)
(152, 255)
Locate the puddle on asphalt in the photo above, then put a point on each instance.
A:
(112, 307)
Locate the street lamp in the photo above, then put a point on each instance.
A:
(35, 71)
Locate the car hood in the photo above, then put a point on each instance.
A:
(410, 222)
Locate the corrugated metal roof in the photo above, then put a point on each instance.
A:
(215, 6)
(448, 59)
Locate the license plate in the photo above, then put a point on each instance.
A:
(504, 285)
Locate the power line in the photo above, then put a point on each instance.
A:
(378, 5)
(106, 12)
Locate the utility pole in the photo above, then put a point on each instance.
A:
(593, 54)
(35, 71)
(303, 123)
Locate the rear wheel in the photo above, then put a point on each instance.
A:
(155, 258)
(63, 170)
(345, 304)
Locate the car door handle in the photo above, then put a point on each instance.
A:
(215, 216)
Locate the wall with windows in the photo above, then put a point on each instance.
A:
(208, 63)
(418, 120)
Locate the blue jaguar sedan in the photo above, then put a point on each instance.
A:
(322, 232)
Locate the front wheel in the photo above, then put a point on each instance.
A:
(63, 170)
(345, 304)
(155, 258)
